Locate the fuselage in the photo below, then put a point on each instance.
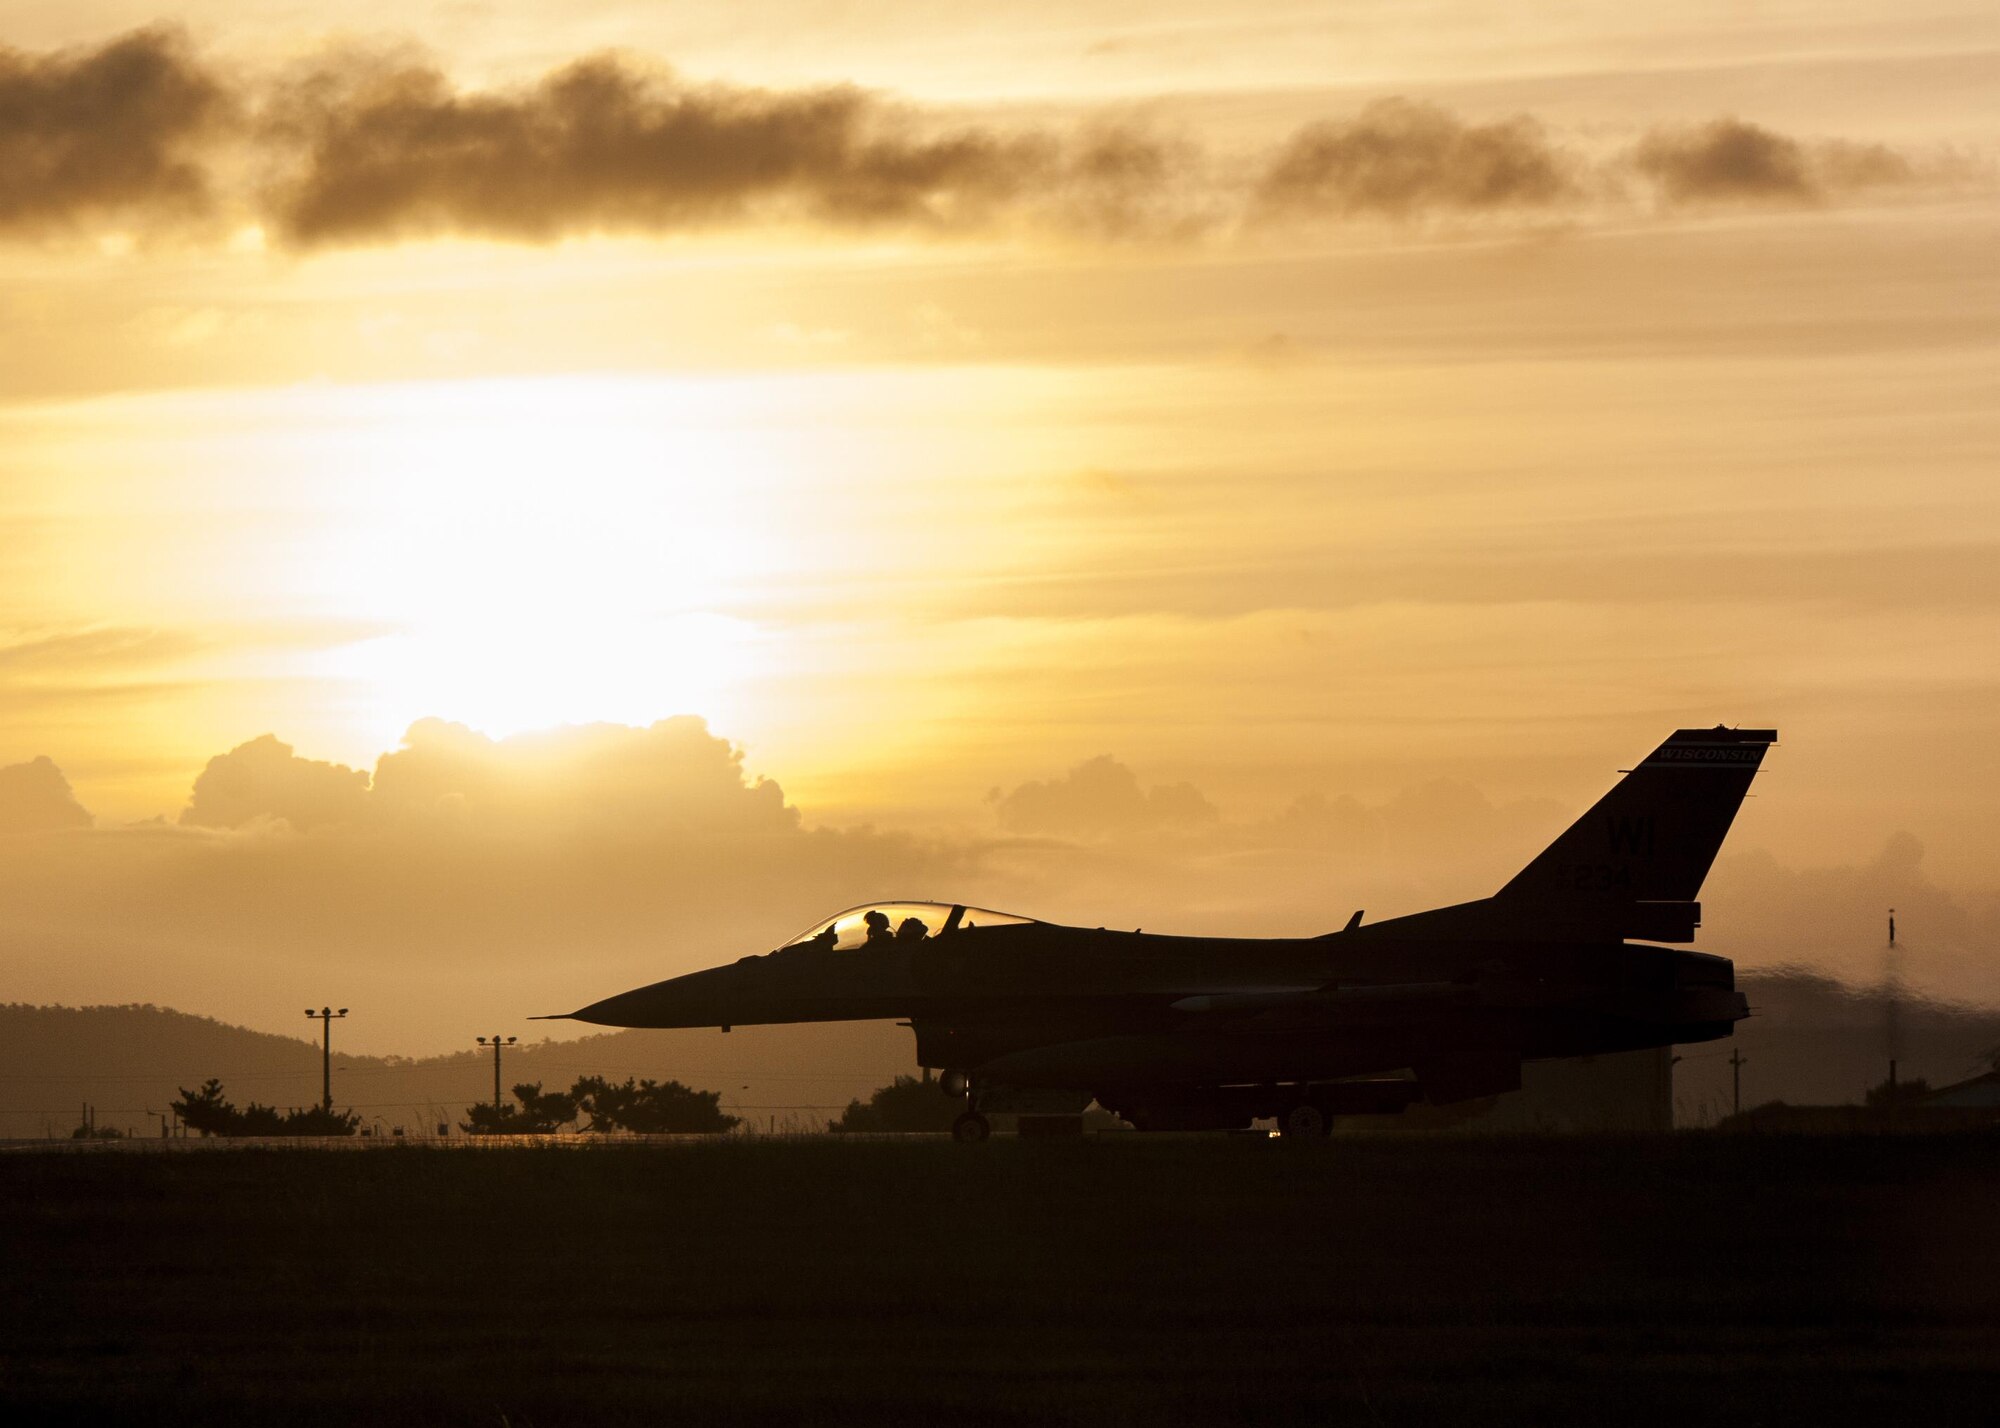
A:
(1038, 1004)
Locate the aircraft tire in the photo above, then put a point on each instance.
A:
(970, 1128)
(1304, 1121)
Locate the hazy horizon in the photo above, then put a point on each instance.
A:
(465, 879)
(589, 490)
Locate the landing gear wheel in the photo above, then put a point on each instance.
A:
(1303, 1122)
(970, 1127)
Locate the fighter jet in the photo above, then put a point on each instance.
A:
(1199, 1033)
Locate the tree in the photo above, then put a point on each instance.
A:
(318, 1120)
(206, 1110)
(905, 1104)
(211, 1113)
(651, 1108)
(538, 1113)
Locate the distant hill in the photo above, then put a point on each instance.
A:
(127, 1060)
(1810, 1040)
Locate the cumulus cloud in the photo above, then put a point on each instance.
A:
(360, 148)
(1397, 159)
(1832, 920)
(118, 134)
(470, 876)
(1437, 841)
(1729, 160)
(1101, 798)
(264, 780)
(36, 798)
(673, 775)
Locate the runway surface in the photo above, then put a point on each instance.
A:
(1691, 1279)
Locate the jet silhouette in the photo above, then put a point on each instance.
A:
(1193, 1033)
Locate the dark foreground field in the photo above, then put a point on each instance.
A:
(1678, 1280)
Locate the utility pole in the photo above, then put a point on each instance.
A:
(326, 1016)
(1736, 1059)
(496, 1043)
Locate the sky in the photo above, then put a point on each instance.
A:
(499, 503)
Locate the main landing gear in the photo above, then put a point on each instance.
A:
(1304, 1121)
(970, 1127)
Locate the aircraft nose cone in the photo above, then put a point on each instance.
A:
(698, 999)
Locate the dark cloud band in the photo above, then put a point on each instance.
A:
(117, 134)
(358, 149)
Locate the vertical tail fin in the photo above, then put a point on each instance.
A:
(1634, 864)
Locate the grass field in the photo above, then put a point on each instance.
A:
(1689, 1279)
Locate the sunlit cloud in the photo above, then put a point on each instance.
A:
(36, 798)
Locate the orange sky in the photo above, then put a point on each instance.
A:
(1387, 425)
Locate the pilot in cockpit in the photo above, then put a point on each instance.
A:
(878, 926)
(912, 929)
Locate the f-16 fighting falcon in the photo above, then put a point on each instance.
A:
(1190, 1033)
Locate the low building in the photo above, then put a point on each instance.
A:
(1963, 1106)
(1981, 1093)
(1628, 1092)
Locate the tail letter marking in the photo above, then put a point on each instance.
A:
(1631, 833)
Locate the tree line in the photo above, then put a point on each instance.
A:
(643, 1107)
(209, 1112)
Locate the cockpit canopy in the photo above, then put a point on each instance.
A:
(897, 921)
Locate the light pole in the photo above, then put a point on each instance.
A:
(496, 1042)
(326, 1016)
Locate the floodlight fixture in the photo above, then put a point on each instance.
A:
(496, 1041)
(326, 1016)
